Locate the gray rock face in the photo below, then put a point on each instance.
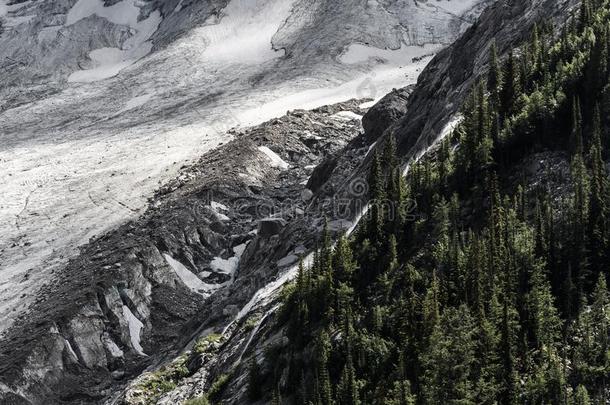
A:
(387, 111)
(270, 226)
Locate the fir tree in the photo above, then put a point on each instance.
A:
(510, 86)
(255, 380)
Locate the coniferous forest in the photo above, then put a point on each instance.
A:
(494, 290)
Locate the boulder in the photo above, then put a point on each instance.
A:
(270, 226)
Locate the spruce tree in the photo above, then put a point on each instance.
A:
(494, 78)
(255, 381)
(510, 86)
(323, 348)
(597, 229)
(377, 200)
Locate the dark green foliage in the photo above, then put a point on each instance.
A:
(255, 381)
(496, 293)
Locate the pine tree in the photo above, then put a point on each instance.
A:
(585, 14)
(484, 140)
(581, 397)
(323, 348)
(597, 230)
(580, 217)
(494, 79)
(377, 199)
(390, 159)
(508, 389)
(347, 389)
(449, 360)
(576, 141)
(475, 282)
(545, 318)
(255, 380)
(431, 306)
(510, 86)
(600, 318)
(343, 262)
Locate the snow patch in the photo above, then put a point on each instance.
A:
(108, 62)
(68, 346)
(218, 206)
(348, 115)
(241, 35)
(135, 328)
(225, 266)
(368, 104)
(136, 102)
(451, 126)
(371, 148)
(229, 266)
(276, 161)
(189, 279)
(240, 249)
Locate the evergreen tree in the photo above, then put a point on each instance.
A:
(576, 141)
(508, 389)
(323, 347)
(494, 79)
(449, 360)
(510, 86)
(597, 230)
(255, 380)
(581, 397)
(377, 199)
